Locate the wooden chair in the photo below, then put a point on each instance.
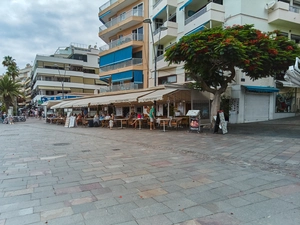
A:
(185, 121)
(175, 123)
(84, 122)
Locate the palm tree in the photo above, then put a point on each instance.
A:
(12, 69)
(9, 90)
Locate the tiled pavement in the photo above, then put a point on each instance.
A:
(94, 176)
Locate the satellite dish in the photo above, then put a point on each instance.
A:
(270, 5)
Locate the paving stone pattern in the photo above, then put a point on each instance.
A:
(54, 175)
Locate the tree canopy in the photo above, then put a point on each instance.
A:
(208, 54)
(212, 55)
(9, 90)
(12, 69)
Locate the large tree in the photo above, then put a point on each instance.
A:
(212, 56)
(12, 68)
(9, 91)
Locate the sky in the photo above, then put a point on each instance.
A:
(39, 27)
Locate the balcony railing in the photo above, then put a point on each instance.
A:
(121, 17)
(119, 87)
(106, 5)
(156, 3)
(294, 9)
(160, 57)
(196, 15)
(122, 40)
(131, 62)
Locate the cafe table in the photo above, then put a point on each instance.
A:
(121, 119)
(165, 121)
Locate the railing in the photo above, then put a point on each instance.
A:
(169, 46)
(156, 3)
(122, 40)
(196, 15)
(294, 9)
(119, 87)
(131, 62)
(106, 5)
(160, 57)
(121, 17)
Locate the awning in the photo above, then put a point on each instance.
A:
(103, 15)
(130, 97)
(59, 105)
(185, 4)
(116, 57)
(49, 104)
(261, 89)
(112, 99)
(156, 95)
(287, 83)
(164, 8)
(53, 88)
(127, 75)
(138, 76)
(105, 78)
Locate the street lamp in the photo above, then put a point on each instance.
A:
(62, 82)
(149, 21)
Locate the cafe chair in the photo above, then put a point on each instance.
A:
(84, 122)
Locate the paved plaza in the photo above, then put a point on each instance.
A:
(95, 176)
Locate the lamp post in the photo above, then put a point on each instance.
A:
(149, 21)
(62, 82)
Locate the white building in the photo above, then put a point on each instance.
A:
(251, 101)
(72, 71)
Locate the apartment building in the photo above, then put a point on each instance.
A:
(70, 72)
(24, 79)
(172, 19)
(124, 61)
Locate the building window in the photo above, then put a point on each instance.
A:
(295, 38)
(187, 77)
(48, 78)
(49, 92)
(138, 55)
(122, 16)
(158, 23)
(138, 34)
(160, 50)
(138, 10)
(167, 79)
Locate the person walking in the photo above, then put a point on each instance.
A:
(152, 118)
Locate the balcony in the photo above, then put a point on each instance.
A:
(283, 14)
(211, 12)
(112, 7)
(160, 4)
(120, 87)
(168, 35)
(135, 40)
(121, 22)
(119, 66)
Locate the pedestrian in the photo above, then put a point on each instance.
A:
(111, 121)
(152, 118)
(40, 114)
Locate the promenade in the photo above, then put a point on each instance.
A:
(54, 175)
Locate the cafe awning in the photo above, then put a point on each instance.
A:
(157, 95)
(112, 99)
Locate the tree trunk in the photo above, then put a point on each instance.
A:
(215, 106)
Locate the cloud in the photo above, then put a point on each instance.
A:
(28, 28)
